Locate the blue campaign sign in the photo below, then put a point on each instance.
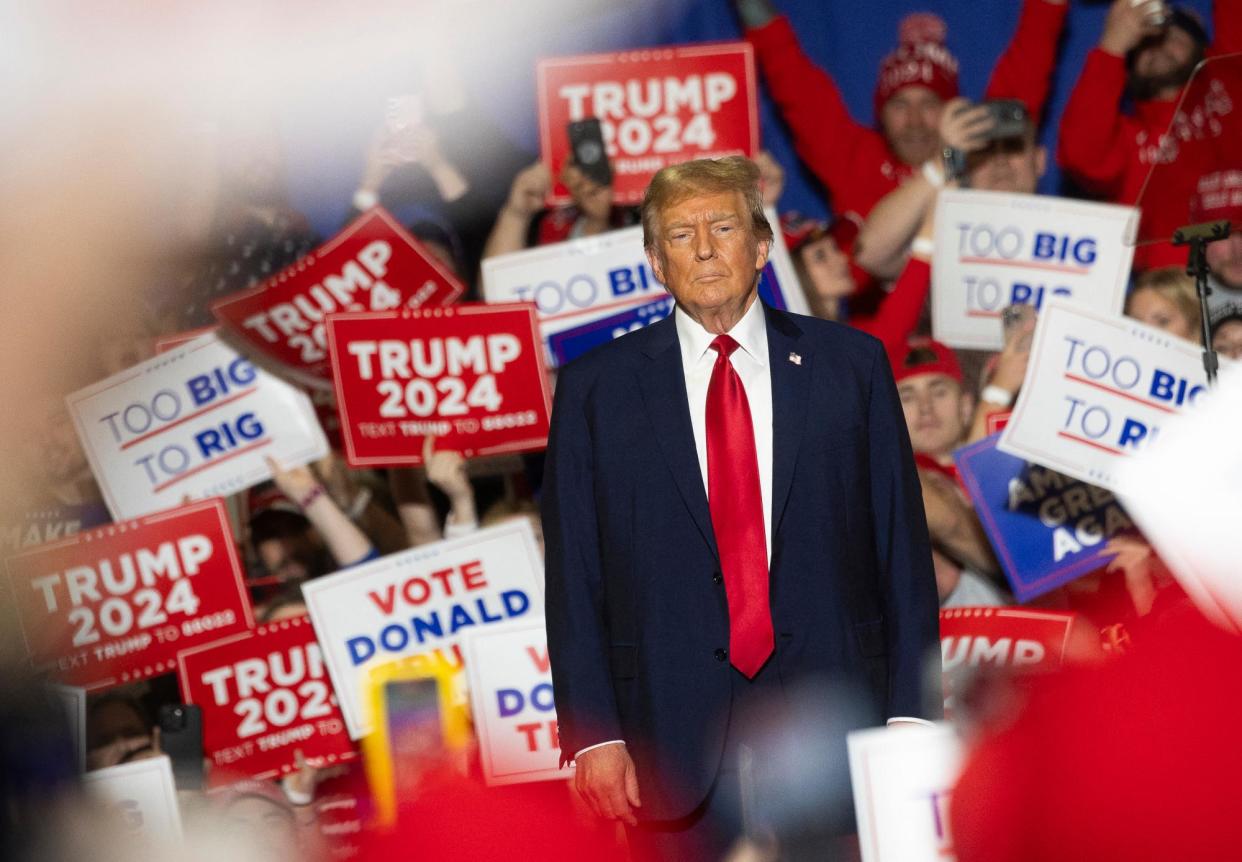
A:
(569, 344)
(1047, 528)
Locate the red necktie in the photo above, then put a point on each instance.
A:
(737, 513)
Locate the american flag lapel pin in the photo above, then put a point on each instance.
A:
(795, 358)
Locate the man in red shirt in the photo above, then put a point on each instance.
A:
(859, 164)
(1110, 153)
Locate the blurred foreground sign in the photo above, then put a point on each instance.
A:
(902, 778)
(1183, 493)
(140, 796)
(657, 107)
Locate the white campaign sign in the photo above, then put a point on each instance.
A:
(1183, 493)
(902, 779)
(142, 796)
(511, 698)
(583, 281)
(194, 422)
(995, 249)
(1097, 389)
(421, 601)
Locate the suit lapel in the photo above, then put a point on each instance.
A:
(790, 359)
(663, 384)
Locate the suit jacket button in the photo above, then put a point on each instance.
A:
(717, 578)
(722, 654)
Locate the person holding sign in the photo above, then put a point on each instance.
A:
(774, 532)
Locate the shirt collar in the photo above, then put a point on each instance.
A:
(750, 333)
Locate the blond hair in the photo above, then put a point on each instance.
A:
(1173, 285)
(672, 185)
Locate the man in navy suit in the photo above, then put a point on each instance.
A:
(731, 507)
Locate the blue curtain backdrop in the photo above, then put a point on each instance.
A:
(848, 39)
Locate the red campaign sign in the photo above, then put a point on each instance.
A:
(1019, 639)
(265, 695)
(657, 107)
(116, 604)
(471, 376)
(372, 265)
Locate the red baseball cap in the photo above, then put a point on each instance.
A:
(925, 356)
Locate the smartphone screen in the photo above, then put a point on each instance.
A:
(415, 731)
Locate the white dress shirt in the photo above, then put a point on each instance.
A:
(750, 361)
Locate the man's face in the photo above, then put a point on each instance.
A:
(937, 412)
(1227, 339)
(911, 123)
(1009, 165)
(1165, 60)
(706, 253)
(1224, 258)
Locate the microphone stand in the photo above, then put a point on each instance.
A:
(1197, 236)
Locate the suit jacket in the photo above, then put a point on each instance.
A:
(637, 617)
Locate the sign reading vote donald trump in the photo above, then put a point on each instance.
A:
(1098, 388)
(421, 601)
(511, 698)
(472, 376)
(995, 249)
(589, 291)
(194, 422)
(656, 107)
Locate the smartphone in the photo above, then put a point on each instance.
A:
(586, 142)
(181, 738)
(1009, 118)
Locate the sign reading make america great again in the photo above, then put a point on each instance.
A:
(424, 600)
(372, 265)
(656, 108)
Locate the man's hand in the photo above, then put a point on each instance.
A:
(528, 191)
(1011, 364)
(446, 470)
(1130, 22)
(605, 778)
(965, 126)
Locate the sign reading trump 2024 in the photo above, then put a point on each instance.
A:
(1047, 528)
(995, 249)
(422, 601)
(194, 422)
(372, 265)
(511, 698)
(592, 290)
(116, 604)
(471, 376)
(656, 107)
(265, 695)
(1097, 389)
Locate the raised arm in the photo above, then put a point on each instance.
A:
(902, 547)
(1096, 140)
(825, 135)
(526, 196)
(1024, 71)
